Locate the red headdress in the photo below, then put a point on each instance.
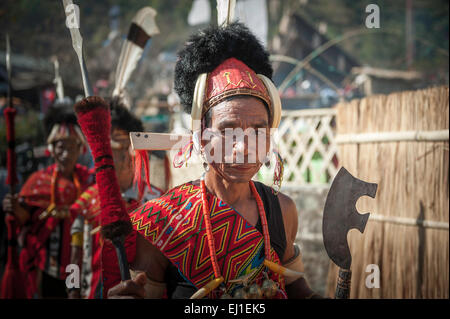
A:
(233, 77)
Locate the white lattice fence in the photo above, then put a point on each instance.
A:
(306, 141)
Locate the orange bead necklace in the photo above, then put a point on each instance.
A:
(209, 233)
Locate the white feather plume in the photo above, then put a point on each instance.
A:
(132, 52)
(225, 12)
(58, 80)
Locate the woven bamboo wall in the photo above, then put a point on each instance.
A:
(413, 183)
(305, 140)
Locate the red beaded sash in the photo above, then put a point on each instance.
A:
(174, 223)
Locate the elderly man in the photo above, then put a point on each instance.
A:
(222, 236)
(42, 207)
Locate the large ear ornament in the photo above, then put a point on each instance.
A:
(275, 98)
(196, 112)
(197, 102)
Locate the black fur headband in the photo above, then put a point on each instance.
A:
(122, 118)
(59, 114)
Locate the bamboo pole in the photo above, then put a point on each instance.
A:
(377, 137)
(409, 221)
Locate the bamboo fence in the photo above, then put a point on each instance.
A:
(407, 235)
(305, 140)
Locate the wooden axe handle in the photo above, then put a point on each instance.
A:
(343, 284)
(119, 245)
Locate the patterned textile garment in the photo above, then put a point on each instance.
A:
(46, 242)
(174, 223)
(87, 208)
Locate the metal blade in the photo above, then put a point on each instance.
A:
(8, 70)
(58, 80)
(158, 141)
(77, 43)
(340, 215)
(8, 57)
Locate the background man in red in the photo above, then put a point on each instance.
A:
(42, 207)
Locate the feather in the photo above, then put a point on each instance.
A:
(225, 12)
(142, 28)
(58, 80)
(142, 161)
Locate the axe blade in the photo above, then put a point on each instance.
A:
(340, 215)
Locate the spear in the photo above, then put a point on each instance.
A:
(10, 113)
(12, 281)
(95, 121)
(72, 22)
(58, 80)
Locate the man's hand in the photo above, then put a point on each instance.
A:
(10, 203)
(129, 289)
(11, 206)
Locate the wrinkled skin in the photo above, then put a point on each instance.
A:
(245, 114)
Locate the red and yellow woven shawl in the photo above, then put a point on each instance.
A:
(174, 223)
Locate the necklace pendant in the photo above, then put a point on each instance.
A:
(224, 294)
(269, 288)
(240, 294)
(254, 292)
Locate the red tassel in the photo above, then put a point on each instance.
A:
(12, 281)
(95, 122)
(141, 160)
(278, 173)
(183, 155)
(167, 172)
